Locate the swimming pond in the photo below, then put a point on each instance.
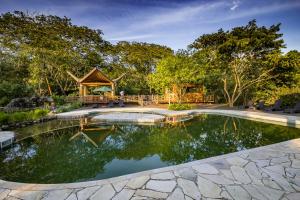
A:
(78, 150)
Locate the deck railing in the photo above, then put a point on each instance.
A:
(141, 99)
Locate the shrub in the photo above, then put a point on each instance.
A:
(289, 96)
(59, 100)
(22, 116)
(179, 107)
(69, 107)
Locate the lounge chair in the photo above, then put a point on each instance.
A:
(110, 103)
(261, 105)
(121, 103)
(250, 105)
(295, 109)
(276, 106)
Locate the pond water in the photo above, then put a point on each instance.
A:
(77, 150)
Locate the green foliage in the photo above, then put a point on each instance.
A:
(289, 96)
(241, 58)
(22, 116)
(69, 107)
(180, 70)
(59, 100)
(137, 60)
(179, 107)
(11, 90)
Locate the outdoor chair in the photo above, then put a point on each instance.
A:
(261, 105)
(295, 109)
(276, 106)
(110, 103)
(250, 105)
(121, 103)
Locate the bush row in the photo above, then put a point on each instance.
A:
(178, 106)
(6, 118)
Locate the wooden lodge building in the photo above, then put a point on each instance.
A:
(96, 78)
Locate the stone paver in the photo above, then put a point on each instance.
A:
(205, 169)
(271, 172)
(189, 188)
(208, 188)
(105, 192)
(176, 195)
(161, 186)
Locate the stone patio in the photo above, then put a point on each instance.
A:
(269, 172)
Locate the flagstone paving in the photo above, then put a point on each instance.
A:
(271, 172)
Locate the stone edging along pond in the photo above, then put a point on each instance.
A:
(266, 117)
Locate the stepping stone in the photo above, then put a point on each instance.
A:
(205, 169)
(161, 186)
(189, 188)
(252, 169)
(208, 189)
(296, 164)
(176, 195)
(293, 196)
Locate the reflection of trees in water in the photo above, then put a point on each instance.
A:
(63, 155)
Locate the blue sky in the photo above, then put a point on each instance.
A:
(175, 23)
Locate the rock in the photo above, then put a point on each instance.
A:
(137, 182)
(161, 186)
(151, 194)
(105, 192)
(205, 169)
(208, 188)
(125, 194)
(163, 176)
(240, 175)
(176, 195)
(237, 192)
(189, 188)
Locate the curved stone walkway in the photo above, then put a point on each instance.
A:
(269, 172)
(129, 117)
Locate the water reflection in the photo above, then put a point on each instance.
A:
(96, 151)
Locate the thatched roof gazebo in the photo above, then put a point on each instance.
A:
(94, 78)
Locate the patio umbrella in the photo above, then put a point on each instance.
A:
(102, 89)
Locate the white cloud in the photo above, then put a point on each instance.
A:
(131, 37)
(235, 5)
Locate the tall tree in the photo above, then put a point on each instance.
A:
(51, 45)
(138, 60)
(242, 57)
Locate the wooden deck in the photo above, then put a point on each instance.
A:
(140, 99)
